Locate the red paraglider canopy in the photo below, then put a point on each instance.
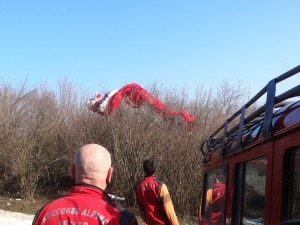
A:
(135, 96)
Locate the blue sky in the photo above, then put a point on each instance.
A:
(106, 44)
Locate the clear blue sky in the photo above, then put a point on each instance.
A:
(107, 44)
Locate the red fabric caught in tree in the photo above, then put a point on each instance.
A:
(135, 96)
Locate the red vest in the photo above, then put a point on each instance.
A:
(148, 197)
(217, 204)
(84, 205)
(215, 214)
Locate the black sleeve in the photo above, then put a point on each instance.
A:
(127, 218)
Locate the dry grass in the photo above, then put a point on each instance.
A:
(31, 206)
(28, 206)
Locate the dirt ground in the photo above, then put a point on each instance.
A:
(31, 206)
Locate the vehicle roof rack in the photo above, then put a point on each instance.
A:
(263, 114)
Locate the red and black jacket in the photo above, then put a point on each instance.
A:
(85, 204)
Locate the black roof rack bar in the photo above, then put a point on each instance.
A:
(224, 138)
(266, 110)
(291, 93)
(260, 112)
(282, 103)
(288, 74)
(227, 121)
(246, 120)
(269, 106)
(277, 79)
(241, 126)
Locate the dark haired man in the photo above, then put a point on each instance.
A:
(215, 201)
(153, 198)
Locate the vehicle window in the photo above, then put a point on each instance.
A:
(254, 191)
(214, 197)
(293, 184)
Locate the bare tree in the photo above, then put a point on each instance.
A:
(40, 130)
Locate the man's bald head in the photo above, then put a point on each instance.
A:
(92, 165)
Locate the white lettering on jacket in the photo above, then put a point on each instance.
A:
(67, 222)
(95, 214)
(75, 211)
(61, 211)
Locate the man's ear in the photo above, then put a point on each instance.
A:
(72, 168)
(109, 175)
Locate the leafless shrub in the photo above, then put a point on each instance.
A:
(40, 129)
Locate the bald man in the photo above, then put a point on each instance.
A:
(87, 203)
